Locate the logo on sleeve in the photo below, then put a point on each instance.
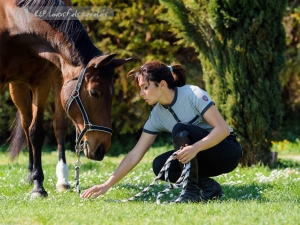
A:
(204, 97)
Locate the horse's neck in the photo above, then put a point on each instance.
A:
(69, 70)
(58, 51)
(66, 49)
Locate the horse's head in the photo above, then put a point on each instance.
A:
(92, 113)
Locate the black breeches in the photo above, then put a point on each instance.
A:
(222, 158)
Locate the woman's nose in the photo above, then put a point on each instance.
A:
(141, 92)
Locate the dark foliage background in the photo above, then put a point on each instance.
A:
(136, 31)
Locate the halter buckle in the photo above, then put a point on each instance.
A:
(75, 94)
(87, 126)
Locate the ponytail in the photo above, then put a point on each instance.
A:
(179, 74)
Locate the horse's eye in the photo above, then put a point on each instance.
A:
(94, 93)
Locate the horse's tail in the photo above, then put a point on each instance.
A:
(17, 138)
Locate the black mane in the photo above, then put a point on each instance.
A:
(71, 28)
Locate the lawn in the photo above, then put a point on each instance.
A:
(255, 195)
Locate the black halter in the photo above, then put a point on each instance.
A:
(87, 125)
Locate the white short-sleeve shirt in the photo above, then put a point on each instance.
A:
(189, 105)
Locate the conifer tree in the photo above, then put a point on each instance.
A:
(241, 47)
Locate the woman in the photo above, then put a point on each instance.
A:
(199, 133)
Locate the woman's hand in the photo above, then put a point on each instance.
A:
(186, 154)
(95, 191)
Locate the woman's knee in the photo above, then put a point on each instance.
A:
(174, 169)
(178, 127)
(160, 161)
(196, 133)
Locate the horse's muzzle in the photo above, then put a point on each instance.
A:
(94, 154)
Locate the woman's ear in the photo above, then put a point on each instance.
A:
(163, 84)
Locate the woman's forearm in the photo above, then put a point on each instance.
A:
(217, 135)
(131, 159)
(126, 165)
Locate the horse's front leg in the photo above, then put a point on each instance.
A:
(60, 129)
(37, 136)
(20, 95)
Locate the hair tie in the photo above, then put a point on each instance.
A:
(171, 69)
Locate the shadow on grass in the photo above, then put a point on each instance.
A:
(239, 193)
(150, 195)
(253, 192)
(243, 192)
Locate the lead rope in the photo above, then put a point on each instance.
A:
(181, 182)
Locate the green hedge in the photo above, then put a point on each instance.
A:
(135, 32)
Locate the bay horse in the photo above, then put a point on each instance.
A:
(37, 53)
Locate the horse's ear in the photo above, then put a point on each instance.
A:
(119, 62)
(101, 60)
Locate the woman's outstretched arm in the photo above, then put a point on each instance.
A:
(126, 165)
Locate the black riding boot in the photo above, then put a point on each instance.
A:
(210, 189)
(192, 192)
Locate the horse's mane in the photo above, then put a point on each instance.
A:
(71, 28)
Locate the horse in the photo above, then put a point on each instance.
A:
(37, 53)
(59, 124)
(18, 140)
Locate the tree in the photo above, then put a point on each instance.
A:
(290, 76)
(241, 47)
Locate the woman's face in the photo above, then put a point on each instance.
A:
(150, 93)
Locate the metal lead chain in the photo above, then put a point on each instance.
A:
(77, 168)
(77, 179)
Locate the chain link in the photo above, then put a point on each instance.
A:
(77, 168)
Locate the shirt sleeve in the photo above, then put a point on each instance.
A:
(201, 100)
(150, 126)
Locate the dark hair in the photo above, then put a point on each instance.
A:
(156, 71)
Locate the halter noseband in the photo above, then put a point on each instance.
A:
(87, 125)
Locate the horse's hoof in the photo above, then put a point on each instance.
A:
(62, 187)
(35, 194)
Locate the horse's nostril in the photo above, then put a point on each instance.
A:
(100, 152)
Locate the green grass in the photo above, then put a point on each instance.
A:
(256, 195)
